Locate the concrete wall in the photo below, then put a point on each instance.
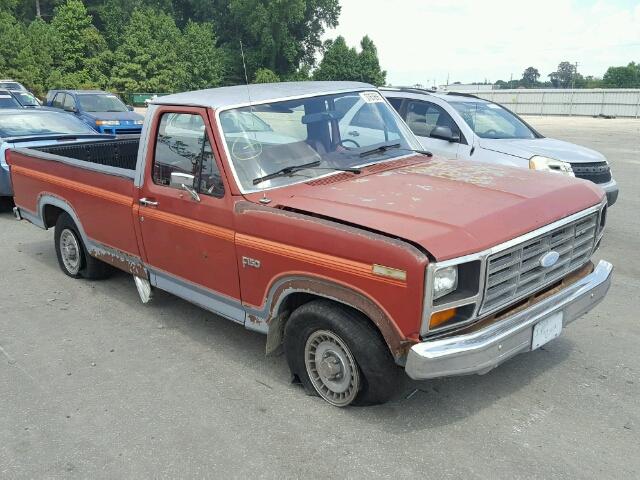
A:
(580, 102)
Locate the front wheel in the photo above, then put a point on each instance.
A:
(336, 353)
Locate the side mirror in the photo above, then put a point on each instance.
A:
(130, 108)
(178, 179)
(445, 133)
(71, 109)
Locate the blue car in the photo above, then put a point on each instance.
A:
(102, 111)
(28, 127)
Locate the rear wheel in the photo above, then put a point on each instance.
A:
(72, 254)
(336, 353)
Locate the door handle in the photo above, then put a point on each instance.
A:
(148, 202)
(354, 133)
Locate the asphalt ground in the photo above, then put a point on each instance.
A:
(95, 385)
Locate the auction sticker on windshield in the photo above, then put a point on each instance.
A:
(546, 330)
(371, 97)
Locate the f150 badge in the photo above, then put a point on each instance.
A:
(250, 262)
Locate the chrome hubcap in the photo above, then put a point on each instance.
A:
(70, 251)
(331, 368)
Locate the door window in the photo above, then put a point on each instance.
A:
(69, 103)
(423, 117)
(183, 155)
(58, 100)
(395, 103)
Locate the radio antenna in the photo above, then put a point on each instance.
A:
(246, 77)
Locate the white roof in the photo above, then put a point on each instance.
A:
(238, 95)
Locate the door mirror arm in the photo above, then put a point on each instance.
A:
(192, 192)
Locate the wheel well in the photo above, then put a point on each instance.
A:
(50, 215)
(297, 299)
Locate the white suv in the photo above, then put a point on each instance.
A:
(463, 126)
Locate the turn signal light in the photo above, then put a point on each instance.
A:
(444, 316)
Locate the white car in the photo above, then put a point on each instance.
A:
(464, 126)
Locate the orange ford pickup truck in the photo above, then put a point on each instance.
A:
(306, 211)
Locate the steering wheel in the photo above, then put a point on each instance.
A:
(491, 133)
(342, 142)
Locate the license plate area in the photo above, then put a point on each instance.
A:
(546, 330)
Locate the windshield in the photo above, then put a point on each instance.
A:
(7, 101)
(27, 99)
(11, 86)
(41, 123)
(489, 120)
(101, 103)
(328, 132)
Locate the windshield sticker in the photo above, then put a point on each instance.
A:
(491, 105)
(111, 96)
(371, 97)
(5, 96)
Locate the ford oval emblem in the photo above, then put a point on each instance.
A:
(549, 259)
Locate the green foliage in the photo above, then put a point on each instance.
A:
(149, 57)
(80, 55)
(530, 77)
(171, 45)
(566, 76)
(203, 62)
(340, 62)
(264, 75)
(276, 34)
(622, 77)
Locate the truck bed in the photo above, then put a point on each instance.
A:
(94, 182)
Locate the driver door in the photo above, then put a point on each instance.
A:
(185, 213)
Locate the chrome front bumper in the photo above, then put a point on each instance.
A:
(485, 349)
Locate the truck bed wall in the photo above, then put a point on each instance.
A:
(120, 152)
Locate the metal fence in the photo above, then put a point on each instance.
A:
(610, 102)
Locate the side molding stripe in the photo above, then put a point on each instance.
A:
(331, 262)
(73, 185)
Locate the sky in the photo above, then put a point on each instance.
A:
(473, 41)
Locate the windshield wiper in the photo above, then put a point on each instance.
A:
(285, 171)
(388, 146)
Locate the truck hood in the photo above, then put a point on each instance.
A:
(547, 147)
(449, 208)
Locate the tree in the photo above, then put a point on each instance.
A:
(150, 57)
(340, 62)
(204, 63)
(622, 77)
(369, 65)
(565, 76)
(281, 35)
(81, 55)
(264, 75)
(530, 77)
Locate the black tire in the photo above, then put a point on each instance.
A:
(377, 371)
(87, 266)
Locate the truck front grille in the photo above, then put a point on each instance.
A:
(596, 172)
(517, 272)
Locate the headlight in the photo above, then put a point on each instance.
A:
(139, 122)
(445, 280)
(107, 122)
(538, 162)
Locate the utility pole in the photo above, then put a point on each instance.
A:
(38, 15)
